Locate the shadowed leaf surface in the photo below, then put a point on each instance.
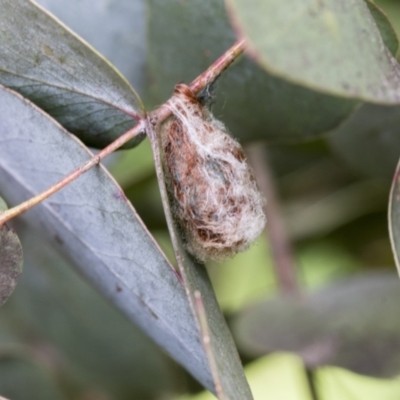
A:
(116, 28)
(385, 26)
(11, 259)
(186, 37)
(394, 217)
(392, 9)
(55, 315)
(94, 224)
(320, 214)
(300, 41)
(370, 140)
(45, 62)
(353, 324)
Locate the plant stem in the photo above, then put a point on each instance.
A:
(160, 114)
(207, 77)
(218, 66)
(26, 205)
(282, 254)
(206, 339)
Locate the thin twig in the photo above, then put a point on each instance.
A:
(154, 122)
(160, 115)
(152, 133)
(26, 205)
(201, 318)
(218, 66)
(207, 77)
(195, 300)
(206, 339)
(282, 253)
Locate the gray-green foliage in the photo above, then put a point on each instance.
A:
(309, 67)
(48, 64)
(307, 38)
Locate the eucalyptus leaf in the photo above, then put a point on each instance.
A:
(93, 223)
(334, 383)
(11, 259)
(392, 9)
(352, 323)
(318, 215)
(370, 140)
(98, 348)
(115, 28)
(386, 29)
(301, 41)
(394, 217)
(284, 373)
(48, 64)
(186, 37)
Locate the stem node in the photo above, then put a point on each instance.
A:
(155, 117)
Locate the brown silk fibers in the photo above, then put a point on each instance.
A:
(215, 197)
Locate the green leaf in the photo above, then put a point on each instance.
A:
(93, 223)
(351, 323)
(385, 27)
(11, 259)
(369, 140)
(320, 214)
(336, 383)
(333, 46)
(392, 9)
(185, 38)
(48, 64)
(394, 217)
(284, 374)
(117, 30)
(97, 348)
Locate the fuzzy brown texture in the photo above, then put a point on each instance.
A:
(215, 197)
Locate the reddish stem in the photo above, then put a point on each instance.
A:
(207, 77)
(160, 114)
(281, 248)
(218, 66)
(206, 339)
(26, 205)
